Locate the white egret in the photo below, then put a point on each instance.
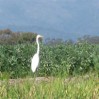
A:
(35, 58)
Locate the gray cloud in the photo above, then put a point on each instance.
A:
(62, 16)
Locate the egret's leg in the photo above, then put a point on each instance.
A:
(37, 72)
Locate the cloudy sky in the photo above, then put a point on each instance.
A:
(51, 18)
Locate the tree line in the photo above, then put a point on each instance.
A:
(9, 37)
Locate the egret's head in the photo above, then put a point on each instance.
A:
(39, 37)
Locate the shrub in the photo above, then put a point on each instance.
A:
(68, 59)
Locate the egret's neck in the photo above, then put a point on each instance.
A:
(38, 48)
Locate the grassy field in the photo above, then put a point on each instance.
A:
(58, 76)
(79, 87)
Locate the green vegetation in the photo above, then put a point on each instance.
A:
(79, 87)
(67, 70)
(55, 60)
(9, 37)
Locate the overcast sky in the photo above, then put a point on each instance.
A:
(70, 18)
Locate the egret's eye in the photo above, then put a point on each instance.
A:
(40, 39)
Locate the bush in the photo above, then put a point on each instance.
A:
(61, 59)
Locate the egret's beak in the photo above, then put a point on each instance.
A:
(41, 36)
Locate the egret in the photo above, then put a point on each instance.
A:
(35, 58)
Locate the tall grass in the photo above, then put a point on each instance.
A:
(79, 87)
(61, 67)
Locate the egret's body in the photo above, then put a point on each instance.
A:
(35, 59)
(35, 62)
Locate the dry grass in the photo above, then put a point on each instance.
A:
(79, 87)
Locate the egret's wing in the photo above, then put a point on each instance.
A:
(34, 62)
